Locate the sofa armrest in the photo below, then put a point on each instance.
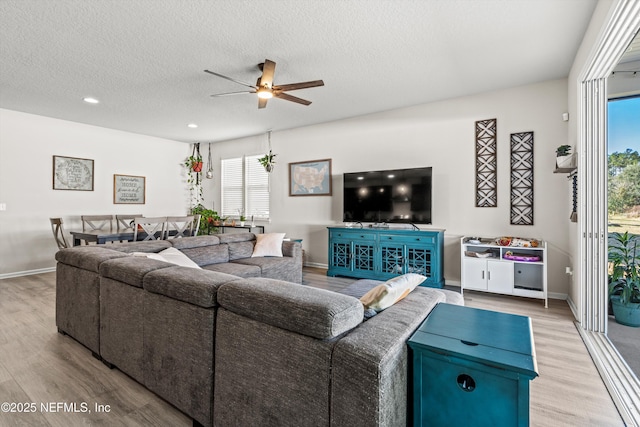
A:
(369, 365)
(87, 257)
(292, 249)
(307, 311)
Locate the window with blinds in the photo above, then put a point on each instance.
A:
(245, 188)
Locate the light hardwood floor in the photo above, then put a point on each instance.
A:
(38, 365)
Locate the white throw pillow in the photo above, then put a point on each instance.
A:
(172, 255)
(268, 244)
(390, 292)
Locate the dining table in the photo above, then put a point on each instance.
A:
(102, 237)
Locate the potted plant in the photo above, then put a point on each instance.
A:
(624, 278)
(564, 158)
(267, 161)
(241, 217)
(208, 219)
(194, 161)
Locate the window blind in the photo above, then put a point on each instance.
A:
(245, 188)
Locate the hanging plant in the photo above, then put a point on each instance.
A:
(195, 159)
(267, 161)
(193, 163)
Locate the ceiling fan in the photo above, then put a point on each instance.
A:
(265, 88)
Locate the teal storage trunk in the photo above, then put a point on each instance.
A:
(472, 367)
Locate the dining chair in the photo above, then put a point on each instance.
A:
(149, 228)
(196, 221)
(97, 222)
(180, 226)
(125, 222)
(58, 233)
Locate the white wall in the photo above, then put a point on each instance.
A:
(27, 144)
(441, 135)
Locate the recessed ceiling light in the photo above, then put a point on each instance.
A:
(192, 125)
(90, 100)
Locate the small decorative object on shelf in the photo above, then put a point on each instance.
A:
(564, 158)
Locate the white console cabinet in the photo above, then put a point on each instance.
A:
(485, 268)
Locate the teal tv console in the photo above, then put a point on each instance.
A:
(383, 253)
(472, 367)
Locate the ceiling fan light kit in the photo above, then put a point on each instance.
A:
(265, 89)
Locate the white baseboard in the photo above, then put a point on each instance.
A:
(27, 273)
(316, 265)
(574, 309)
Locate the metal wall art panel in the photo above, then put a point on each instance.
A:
(522, 178)
(486, 164)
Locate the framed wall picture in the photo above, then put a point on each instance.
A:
(310, 178)
(71, 173)
(129, 189)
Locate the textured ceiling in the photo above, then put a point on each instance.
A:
(144, 59)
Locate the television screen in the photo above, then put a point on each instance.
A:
(400, 195)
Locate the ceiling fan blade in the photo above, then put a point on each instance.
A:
(296, 86)
(233, 93)
(262, 102)
(268, 70)
(229, 78)
(287, 97)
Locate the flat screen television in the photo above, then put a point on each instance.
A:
(392, 196)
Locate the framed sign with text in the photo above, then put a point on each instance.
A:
(71, 173)
(129, 189)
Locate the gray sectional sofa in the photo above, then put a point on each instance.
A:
(240, 341)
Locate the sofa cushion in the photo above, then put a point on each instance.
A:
(317, 313)
(142, 246)
(269, 244)
(271, 267)
(194, 286)
(206, 255)
(195, 242)
(236, 237)
(390, 292)
(240, 250)
(87, 257)
(130, 269)
(240, 270)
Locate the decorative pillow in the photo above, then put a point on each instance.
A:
(390, 292)
(268, 244)
(172, 255)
